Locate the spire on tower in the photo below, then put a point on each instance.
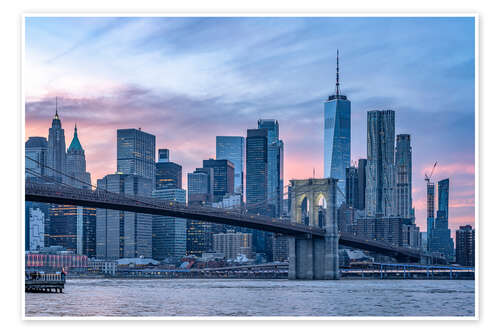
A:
(338, 84)
(56, 116)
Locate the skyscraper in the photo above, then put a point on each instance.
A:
(352, 187)
(200, 192)
(223, 177)
(403, 176)
(380, 173)
(441, 241)
(169, 233)
(168, 174)
(256, 182)
(36, 151)
(465, 238)
(361, 183)
(275, 164)
(122, 234)
(136, 153)
(256, 166)
(232, 148)
(82, 219)
(56, 149)
(337, 137)
(431, 200)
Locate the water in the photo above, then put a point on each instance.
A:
(189, 297)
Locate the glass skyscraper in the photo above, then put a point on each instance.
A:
(403, 176)
(223, 177)
(274, 164)
(441, 240)
(232, 148)
(136, 153)
(337, 137)
(168, 174)
(169, 233)
(122, 234)
(36, 149)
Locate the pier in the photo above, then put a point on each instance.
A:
(44, 283)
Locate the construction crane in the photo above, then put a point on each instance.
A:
(428, 177)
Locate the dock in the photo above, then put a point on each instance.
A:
(44, 283)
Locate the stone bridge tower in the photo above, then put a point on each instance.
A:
(313, 204)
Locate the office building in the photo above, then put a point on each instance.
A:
(169, 233)
(232, 148)
(403, 176)
(223, 181)
(233, 244)
(352, 187)
(337, 137)
(361, 183)
(56, 150)
(431, 200)
(36, 153)
(121, 234)
(168, 174)
(465, 252)
(256, 184)
(380, 173)
(136, 153)
(275, 164)
(441, 241)
(76, 165)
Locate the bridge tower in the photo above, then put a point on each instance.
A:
(313, 204)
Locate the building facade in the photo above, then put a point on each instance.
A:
(337, 137)
(56, 150)
(441, 241)
(232, 148)
(275, 164)
(233, 244)
(168, 174)
(36, 153)
(169, 233)
(361, 183)
(121, 234)
(380, 169)
(465, 252)
(223, 177)
(352, 187)
(136, 153)
(404, 176)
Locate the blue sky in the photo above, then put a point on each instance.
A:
(187, 80)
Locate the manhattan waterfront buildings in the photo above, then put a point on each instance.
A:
(232, 148)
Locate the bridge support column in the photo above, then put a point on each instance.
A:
(304, 259)
(291, 259)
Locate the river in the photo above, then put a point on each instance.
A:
(205, 297)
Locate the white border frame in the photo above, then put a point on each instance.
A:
(267, 13)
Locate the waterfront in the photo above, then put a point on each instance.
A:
(204, 297)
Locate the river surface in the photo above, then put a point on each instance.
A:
(205, 297)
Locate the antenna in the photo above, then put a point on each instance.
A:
(338, 84)
(314, 173)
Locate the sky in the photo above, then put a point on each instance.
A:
(187, 80)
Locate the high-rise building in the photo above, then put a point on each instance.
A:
(275, 164)
(233, 244)
(200, 192)
(465, 252)
(431, 200)
(441, 241)
(136, 153)
(223, 177)
(380, 173)
(56, 149)
(337, 137)
(168, 174)
(232, 148)
(256, 183)
(169, 233)
(36, 220)
(352, 187)
(403, 176)
(76, 165)
(36, 151)
(121, 234)
(361, 183)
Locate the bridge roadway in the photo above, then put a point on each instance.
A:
(65, 195)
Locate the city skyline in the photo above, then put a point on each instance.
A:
(455, 152)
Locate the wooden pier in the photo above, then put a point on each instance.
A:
(44, 283)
